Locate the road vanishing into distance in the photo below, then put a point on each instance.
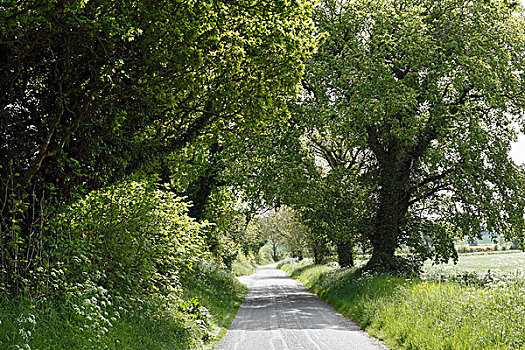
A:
(279, 313)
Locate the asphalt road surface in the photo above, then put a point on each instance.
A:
(280, 314)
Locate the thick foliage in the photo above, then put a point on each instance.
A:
(38, 323)
(428, 93)
(93, 91)
(133, 237)
(404, 126)
(108, 256)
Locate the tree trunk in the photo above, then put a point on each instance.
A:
(345, 253)
(200, 190)
(274, 251)
(318, 255)
(319, 250)
(389, 220)
(318, 245)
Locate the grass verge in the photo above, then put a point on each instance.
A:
(220, 293)
(29, 323)
(243, 265)
(247, 264)
(423, 315)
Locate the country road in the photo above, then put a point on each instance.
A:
(280, 314)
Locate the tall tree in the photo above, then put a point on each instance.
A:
(428, 91)
(91, 91)
(404, 127)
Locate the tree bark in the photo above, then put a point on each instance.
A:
(275, 257)
(393, 204)
(200, 190)
(345, 253)
(318, 255)
(319, 249)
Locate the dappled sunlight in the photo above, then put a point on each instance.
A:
(282, 313)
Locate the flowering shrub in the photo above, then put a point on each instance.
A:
(130, 239)
(118, 250)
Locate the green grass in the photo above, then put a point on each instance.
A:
(423, 315)
(37, 324)
(220, 293)
(247, 264)
(31, 324)
(243, 265)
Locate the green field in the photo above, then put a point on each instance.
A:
(509, 264)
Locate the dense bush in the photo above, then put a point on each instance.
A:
(130, 239)
(116, 251)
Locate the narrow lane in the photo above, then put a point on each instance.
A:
(280, 314)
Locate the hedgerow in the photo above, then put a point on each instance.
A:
(119, 250)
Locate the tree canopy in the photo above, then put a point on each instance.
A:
(410, 107)
(168, 72)
(399, 136)
(93, 91)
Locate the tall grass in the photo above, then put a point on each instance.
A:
(152, 324)
(244, 264)
(32, 324)
(219, 292)
(423, 315)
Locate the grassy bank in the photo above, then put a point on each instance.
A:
(423, 315)
(33, 323)
(220, 293)
(247, 264)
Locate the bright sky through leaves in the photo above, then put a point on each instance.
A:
(517, 152)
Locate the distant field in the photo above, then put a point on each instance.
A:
(508, 263)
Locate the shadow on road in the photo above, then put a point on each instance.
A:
(285, 307)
